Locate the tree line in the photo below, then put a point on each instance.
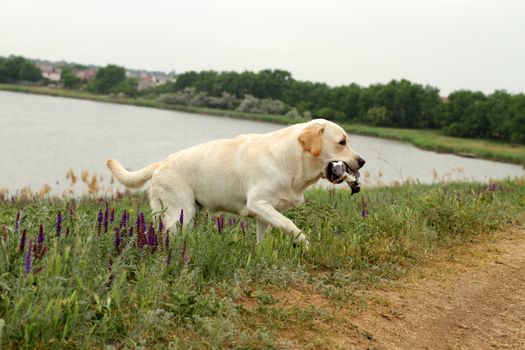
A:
(109, 79)
(398, 103)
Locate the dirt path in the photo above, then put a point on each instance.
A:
(470, 297)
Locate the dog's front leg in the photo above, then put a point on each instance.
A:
(265, 212)
(262, 227)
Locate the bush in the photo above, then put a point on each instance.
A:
(293, 113)
(251, 104)
(377, 116)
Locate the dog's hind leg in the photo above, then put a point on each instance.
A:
(173, 200)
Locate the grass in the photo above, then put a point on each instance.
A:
(211, 287)
(426, 139)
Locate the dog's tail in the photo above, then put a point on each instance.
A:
(131, 179)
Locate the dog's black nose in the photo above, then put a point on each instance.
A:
(361, 162)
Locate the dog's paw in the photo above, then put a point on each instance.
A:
(301, 241)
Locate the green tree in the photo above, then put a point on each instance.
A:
(107, 79)
(3, 70)
(18, 68)
(29, 72)
(69, 79)
(465, 115)
(12, 66)
(127, 86)
(516, 121)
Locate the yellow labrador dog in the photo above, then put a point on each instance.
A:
(256, 175)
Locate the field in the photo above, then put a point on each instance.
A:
(426, 139)
(95, 271)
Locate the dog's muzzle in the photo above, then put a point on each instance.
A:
(338, 172)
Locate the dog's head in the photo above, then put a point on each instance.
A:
(327, 142)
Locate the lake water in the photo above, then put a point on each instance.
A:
(42, 137)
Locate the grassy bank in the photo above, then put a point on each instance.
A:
(426, 139)
(107, 278)
(435, 141)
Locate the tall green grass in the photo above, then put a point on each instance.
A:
(83, 292)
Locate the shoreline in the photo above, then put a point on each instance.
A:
(421, 138)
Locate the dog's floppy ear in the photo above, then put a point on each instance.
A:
(311, 139)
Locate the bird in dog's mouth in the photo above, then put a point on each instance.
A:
(338, 172)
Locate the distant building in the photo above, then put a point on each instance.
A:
(86, 74)
(50, 72)
(132, 74)
(164, 79)
(146, 83)
(149, 80)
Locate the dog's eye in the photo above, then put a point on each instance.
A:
(342, 142)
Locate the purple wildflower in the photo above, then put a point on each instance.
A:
(137, 223)
(243, 227)
(161, 226)
(124, 219)
(117, 240)
(232, 222)
(167, 240)
(364, 213)
(142, 223)
(181, 217)
(27, 259)
(23, 241)
(41, 237)
(220, 223)
(185, 257)
(141, 232)
(112, 216)
(4, 232)
(152, 238)
(17, 221)
(141, 239)
(106, 218)
(100, 219)
(59, 223)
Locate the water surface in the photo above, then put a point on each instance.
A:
(41, 137)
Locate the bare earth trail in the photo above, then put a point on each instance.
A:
(477, 302)
(465, 297)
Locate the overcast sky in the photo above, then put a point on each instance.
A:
(451, 44)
